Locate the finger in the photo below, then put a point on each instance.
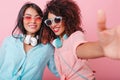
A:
(101, 20)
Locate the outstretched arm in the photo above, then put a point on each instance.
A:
(90, 50)
(108, 44)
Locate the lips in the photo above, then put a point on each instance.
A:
(33, 26)
(56, 29)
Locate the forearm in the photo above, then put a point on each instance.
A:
(89, 50)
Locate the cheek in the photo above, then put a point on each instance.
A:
(25, 23)
(38, 25)
(62, 27)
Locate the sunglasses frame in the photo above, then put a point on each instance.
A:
(53, 20)
(35, 18)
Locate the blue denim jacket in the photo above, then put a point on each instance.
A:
(16, 64)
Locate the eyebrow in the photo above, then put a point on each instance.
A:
(31, 15)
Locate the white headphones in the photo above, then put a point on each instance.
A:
(30, 40)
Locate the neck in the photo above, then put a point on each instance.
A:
(31, 34)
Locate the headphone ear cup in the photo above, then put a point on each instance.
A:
(27, 39)
(33, 41)
(65, 36)
(57, 43)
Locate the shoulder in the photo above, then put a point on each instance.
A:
(76, 38)
(47, 46)
(7, 40)
(77, 33)
(10, 39)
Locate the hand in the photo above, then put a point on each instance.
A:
(109, 38)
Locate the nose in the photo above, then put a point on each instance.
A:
(33, 20)
(53, 25)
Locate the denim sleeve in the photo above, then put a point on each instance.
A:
(52, 67)
(3, 51)
(51, 63)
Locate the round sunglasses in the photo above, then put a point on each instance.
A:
(49, 22)
(29, 18)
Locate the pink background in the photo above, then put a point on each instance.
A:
(106, 69)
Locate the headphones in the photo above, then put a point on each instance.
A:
(57, 42)
(30, 40)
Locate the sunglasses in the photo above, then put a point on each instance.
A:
(29, 18)
(56, 20)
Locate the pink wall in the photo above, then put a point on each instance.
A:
(106, 69)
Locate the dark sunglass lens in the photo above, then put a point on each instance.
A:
(48, 22)
(57, 19)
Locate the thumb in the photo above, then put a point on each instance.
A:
(101, 20)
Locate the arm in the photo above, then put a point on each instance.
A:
(3, 51)
(52, 67)
(89, 50)
(108, 44)
(51, 63)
